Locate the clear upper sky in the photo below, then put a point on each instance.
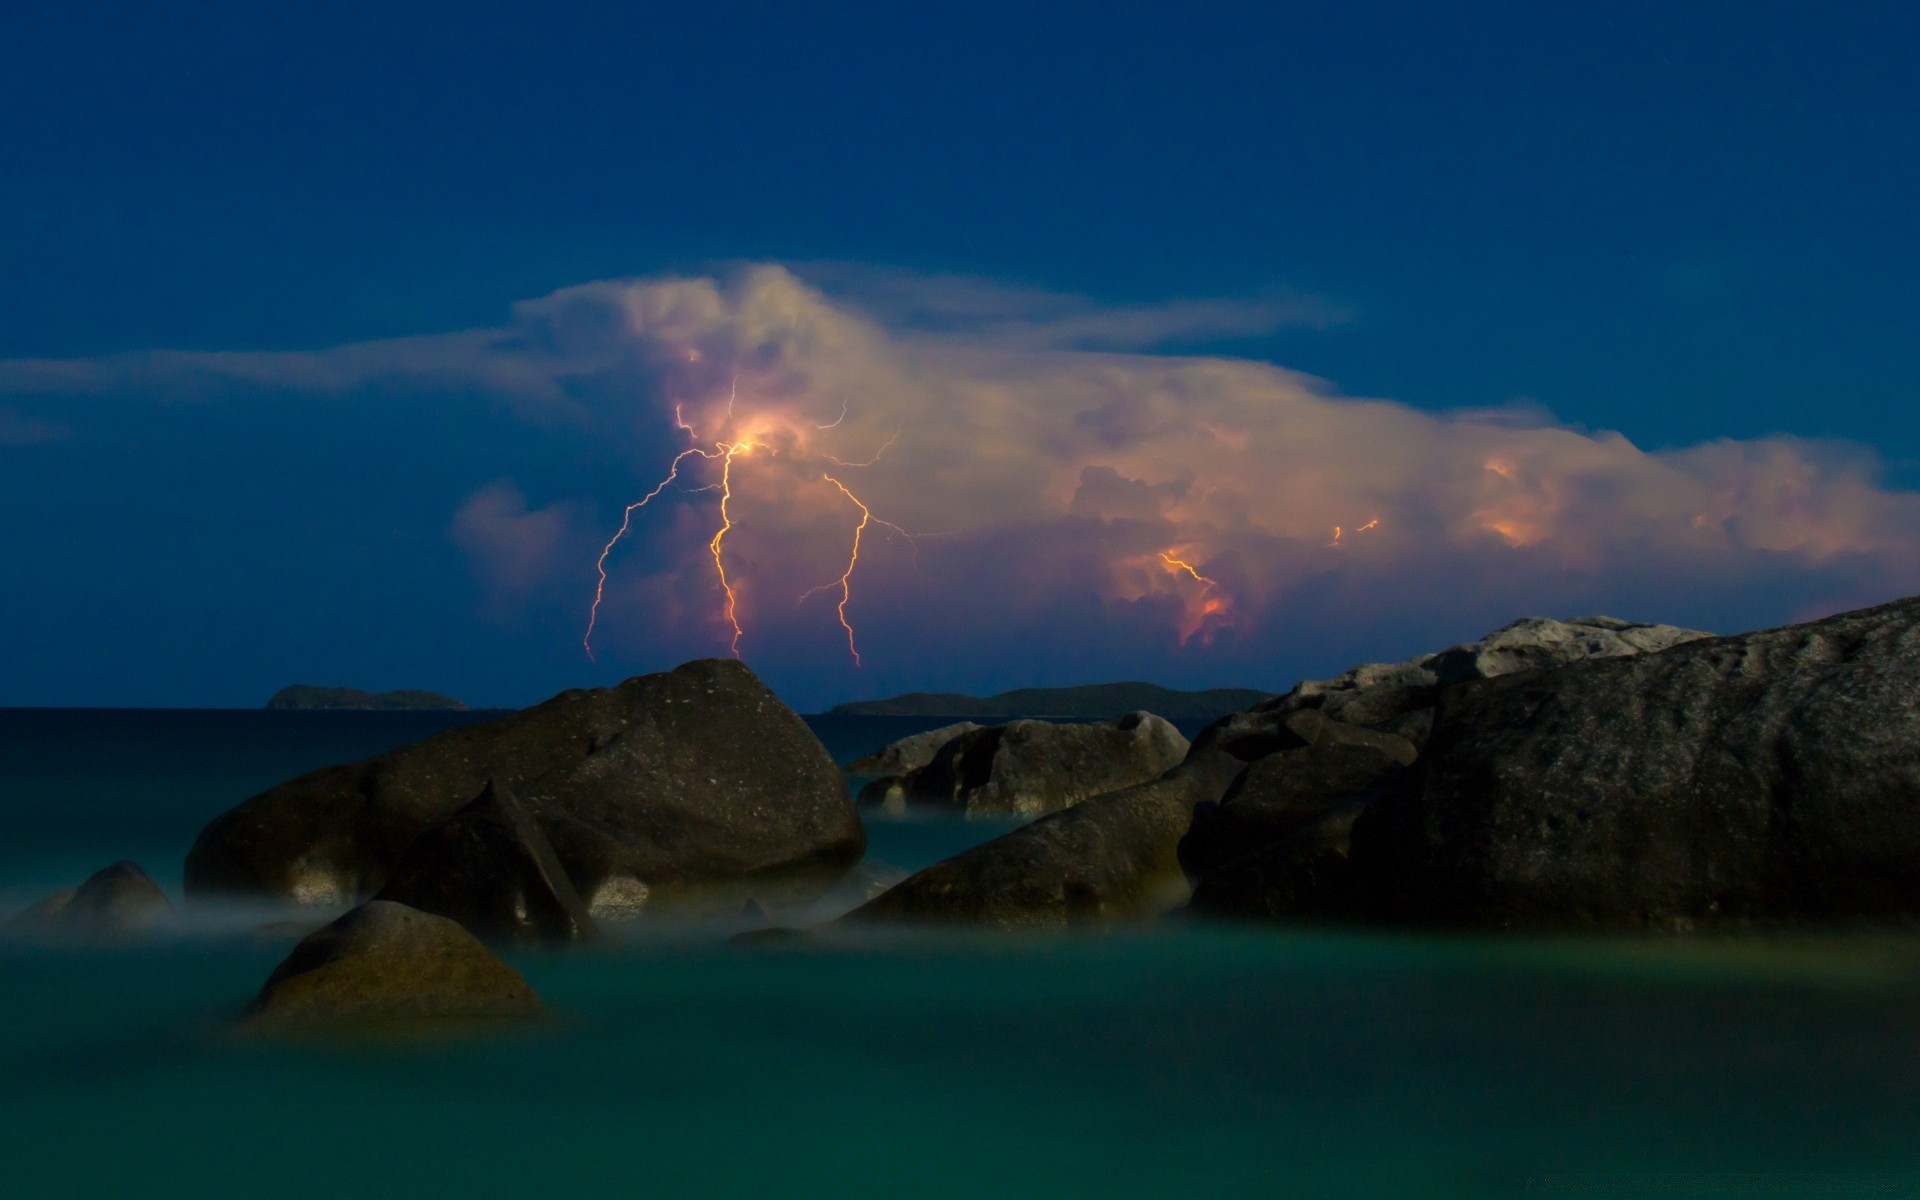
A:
(1680, 221)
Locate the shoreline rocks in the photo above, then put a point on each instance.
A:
(685, 786)
(1026, 768)
(113, 902)
(909, 753)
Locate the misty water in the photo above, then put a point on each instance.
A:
(1180, 1059)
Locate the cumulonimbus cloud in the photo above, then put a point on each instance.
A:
(1135, 505)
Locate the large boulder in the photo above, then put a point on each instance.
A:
(387, 965)
(1399, 697)
(490, 868)
(690, 784)
(113, 902)
(1112, 856)
(1763, 777)
(909, 753)
(1281, 793)
(1025, 768)
(1305, 875)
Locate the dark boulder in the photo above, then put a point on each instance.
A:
(113, 902)
(1025, 768)
(1283, 792)
(669, 787)
(909, 753)
(491, 868)
(1763, 777)
(386, 965)
(1113, 856)
(1259, 732)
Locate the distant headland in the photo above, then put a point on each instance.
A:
(1088, 700)
(306, 696)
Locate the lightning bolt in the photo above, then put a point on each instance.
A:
(853, 560)
(1178, 566)
(726, 525)
(1338, 532)
(884, 447)
(626, 523)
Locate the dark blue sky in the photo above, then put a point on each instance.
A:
(1681, 221)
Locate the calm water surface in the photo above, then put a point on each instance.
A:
(1178, 1060)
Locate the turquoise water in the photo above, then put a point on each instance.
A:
(1175, 1061)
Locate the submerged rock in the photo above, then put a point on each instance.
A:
(1768, 776)
(1399, 697)
(1025, 768)
(909, 753)
(668, 787)
(1112, 856)
(115, 901)
(384, 965)
(490, 868)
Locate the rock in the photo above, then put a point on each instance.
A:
(1254, 734)
(909, 753)
(1281, 793)
(383, 965)
(1025, 768)
(490, 868)
(1305, 875)
(113, 902)
(1764, 777)
(1112, 856)
(669, 787)
(1399, 697)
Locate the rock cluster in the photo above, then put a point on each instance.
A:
(1025, 768)
(113, 902)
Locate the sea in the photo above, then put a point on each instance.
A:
(1178, 1059)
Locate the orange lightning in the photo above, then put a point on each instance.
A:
(853, 560)
(726, 523)
(1178, 566)
(626, 523)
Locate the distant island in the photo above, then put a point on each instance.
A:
(1089, 700)
(306, 696)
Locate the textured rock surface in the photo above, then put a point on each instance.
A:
(1031, 767)
(385, 964)
(118, 900)
(1303, 876)
(909, 753)
(490, 868)
(1772, 775)
(1108, 857)
(1281, 793)
(668, 786)
(1398, 697)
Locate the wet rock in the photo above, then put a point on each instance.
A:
(1763, 777)
(1281, 793)
(490, 868)
(1112, 856)
(909, 753)
(668, 788)
(385, 965)
(1399, 697)
(1025, 768)
(113, 902)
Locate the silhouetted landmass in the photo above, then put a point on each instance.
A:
(306, 696)
(1089, 700)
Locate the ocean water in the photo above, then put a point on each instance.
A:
(1175, 1060)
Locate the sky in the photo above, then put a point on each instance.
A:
(335, 339)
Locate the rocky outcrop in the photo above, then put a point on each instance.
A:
(385, 965)
(1765, 777)
(1112, 856)
(1282, 793)
(1304, 875)
(1025, 768)
(685, 786)
(113, 902)
(1399, 697)
(490, 868)
(909, 753)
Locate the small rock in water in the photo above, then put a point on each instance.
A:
(909, 753)
(114, 902)
(385, 965)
